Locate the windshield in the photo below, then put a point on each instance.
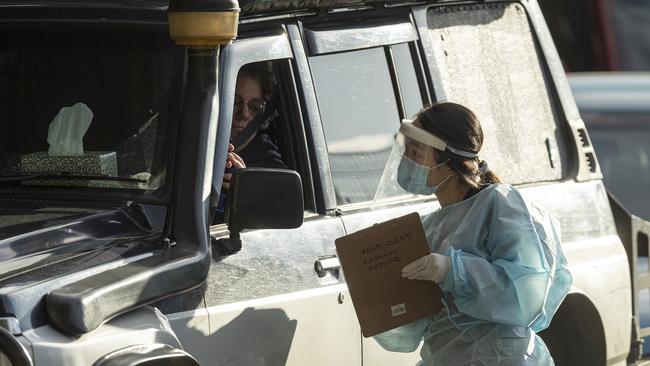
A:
(85, 108)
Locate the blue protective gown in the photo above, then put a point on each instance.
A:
(508, 276)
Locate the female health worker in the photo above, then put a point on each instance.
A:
(496, 256)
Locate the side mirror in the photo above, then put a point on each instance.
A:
(261, 198)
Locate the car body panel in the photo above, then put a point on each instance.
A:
(267, 304)
(145, 325)
(45, 247)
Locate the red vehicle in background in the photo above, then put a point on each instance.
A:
(600, 35)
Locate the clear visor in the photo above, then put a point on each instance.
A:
(411, 159)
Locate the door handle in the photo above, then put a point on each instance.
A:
(327, 265)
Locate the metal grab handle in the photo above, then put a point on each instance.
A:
(327, 265)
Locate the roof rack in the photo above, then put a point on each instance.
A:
(271, 7)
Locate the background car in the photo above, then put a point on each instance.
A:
(615, 106)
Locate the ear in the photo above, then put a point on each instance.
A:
(446, 170)
(430, 178)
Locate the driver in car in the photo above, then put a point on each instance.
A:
(250, 145)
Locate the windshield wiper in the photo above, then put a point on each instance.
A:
(67, 176)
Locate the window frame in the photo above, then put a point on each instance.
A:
(266, 43)
(383, 39)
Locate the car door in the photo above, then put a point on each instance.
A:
(279, 300)
(367, 77)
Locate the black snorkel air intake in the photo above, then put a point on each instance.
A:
(79, 307)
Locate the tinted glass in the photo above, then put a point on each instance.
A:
(488, 61)
(631, 19)
(408, 80)
(108, 94)
(360, 118)
(622, 144)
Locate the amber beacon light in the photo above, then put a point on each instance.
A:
(203, 23)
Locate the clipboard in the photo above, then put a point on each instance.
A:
(372, 260)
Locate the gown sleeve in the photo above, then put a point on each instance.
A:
(525, 277)
(406, 338)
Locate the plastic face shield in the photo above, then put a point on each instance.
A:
(419, 144)
(414, 149)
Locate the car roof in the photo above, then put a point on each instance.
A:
(143, 4)
(248, 7)
(141, 11)
(258, 7)
(624, 92)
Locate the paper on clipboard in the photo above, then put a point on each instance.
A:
(372, 260)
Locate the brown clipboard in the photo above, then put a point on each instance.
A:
(372, 260)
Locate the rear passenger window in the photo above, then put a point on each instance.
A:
(360, 117)
(487, 59)
(362, 96)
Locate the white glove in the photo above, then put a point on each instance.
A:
(433, 267)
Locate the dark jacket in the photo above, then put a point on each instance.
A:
(261, 152)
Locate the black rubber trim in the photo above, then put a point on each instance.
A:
(82, 306)
(14, 350)
(266, 6)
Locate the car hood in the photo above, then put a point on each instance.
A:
(47, 245)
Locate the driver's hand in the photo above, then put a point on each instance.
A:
(233, 161)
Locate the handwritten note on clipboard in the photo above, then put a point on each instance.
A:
(372, 261)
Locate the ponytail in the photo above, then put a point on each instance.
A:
(473, 172)
(487, 176)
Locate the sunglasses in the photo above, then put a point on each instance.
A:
(255, 106)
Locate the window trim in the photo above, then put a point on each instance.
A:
(423, 86)
(298, 137)
(394, 78)
(330, 40)
(233, 57)
(322, 178)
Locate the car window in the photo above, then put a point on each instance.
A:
(487, 59)
(255, 110)
(93, 104)
(621, 144)
(265, 127)
(408, 80)
(360, 117)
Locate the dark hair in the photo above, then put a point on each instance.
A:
(261, 72)
(460, 128)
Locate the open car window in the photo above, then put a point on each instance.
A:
(85, 109)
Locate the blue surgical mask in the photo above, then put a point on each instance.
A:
(412, 177)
